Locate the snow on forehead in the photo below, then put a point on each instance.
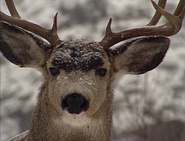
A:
(78, 54)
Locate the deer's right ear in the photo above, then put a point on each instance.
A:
(139, 55)
(21, 47)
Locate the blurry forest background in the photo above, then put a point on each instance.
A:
(148, 107)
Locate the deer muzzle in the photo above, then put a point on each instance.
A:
(75, 103)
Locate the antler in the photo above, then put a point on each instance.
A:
(170, 28)
(49, 34)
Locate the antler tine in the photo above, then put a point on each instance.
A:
(179, 8)
(168, 29)
(157, 15)
(49, 34)
(11, 7)
(175, 21)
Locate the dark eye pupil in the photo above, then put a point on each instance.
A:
(101, 72)
(54, 71)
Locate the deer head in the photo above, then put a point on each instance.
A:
(75, 101)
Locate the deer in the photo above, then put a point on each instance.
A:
(75, 103)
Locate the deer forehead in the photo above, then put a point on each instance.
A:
(78, 54)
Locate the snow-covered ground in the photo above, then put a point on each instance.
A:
(146, 106)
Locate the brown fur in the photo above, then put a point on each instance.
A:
(52, 123)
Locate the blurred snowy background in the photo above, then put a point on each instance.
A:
(148, 107)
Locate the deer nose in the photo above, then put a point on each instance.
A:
(75, 103)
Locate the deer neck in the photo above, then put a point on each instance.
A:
(43, 125)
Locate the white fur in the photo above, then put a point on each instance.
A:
(76, 120)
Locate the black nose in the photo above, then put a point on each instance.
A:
(75, 103)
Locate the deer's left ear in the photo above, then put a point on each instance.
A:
(139, 55)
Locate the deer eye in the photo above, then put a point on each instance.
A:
(101, 71)
(54, 71)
